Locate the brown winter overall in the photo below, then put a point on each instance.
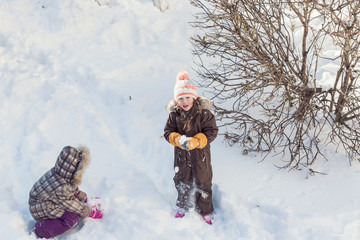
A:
(193, 171)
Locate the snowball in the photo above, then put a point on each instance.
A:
(183, 139)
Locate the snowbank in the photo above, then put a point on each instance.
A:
(80, 72)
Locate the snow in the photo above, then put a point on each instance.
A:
(183, 141)
(100, 73)
(161, 4)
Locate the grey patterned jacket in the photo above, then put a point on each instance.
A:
(53, 193)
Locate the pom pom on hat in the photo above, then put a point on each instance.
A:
(182, 75)
(184, 87)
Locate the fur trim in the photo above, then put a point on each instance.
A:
(172, 106)
(205, 103)
(85, 161)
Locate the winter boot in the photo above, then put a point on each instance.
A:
(180, 213)
(207, 218)
(95, 212)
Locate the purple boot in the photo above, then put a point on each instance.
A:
(53, 227)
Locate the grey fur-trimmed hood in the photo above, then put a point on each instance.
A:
(85, 153)
(205, 104)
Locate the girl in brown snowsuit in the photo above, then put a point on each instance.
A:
(190, 128)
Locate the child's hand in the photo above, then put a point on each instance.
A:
(202, 140)
(189, 143)
(198, 141)
(174, 139)
(81, 195)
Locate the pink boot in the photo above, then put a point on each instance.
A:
(95, 212)
(95, 207)
(208, 218)
(180, 213)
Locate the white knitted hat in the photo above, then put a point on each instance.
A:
(184, 87)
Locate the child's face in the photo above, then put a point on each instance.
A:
(186, 103)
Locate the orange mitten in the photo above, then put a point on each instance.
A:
(202, 140)
(174, 138)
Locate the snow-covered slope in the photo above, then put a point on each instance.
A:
(100, 73)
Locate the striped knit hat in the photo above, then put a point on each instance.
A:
(184, 87)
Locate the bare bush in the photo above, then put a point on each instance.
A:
(284, 74)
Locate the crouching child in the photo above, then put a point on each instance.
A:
(55, 200)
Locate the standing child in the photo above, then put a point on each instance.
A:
(55, 201)
(190, 128)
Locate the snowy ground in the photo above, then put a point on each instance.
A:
(100, 73)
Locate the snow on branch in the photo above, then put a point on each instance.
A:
(161, 4)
